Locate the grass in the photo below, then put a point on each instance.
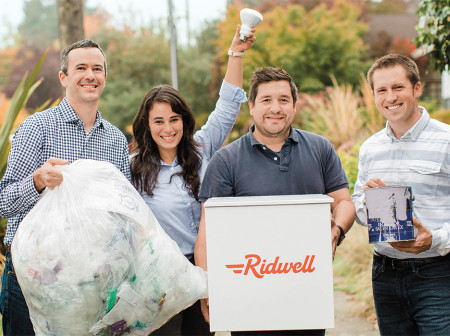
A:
(352, 269)
(336, 115)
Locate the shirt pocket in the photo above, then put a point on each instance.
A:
(426, 174)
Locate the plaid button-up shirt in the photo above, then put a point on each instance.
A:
(57, 132)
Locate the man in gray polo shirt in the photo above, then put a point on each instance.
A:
(275, 159)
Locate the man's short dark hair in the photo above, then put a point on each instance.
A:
(270, 74)
(80, 44)
(392, 60)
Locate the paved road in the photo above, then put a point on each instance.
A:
(345, 321)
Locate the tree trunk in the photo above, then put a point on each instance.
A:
(70, 21)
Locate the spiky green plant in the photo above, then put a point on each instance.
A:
(18, 101)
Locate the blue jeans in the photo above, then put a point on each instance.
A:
(413, 300)
(15, 317)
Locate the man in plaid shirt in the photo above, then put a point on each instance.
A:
(70, 131)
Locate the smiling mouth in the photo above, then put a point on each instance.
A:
(168, 137)
(89, 86)
(392, 108)
(274, 118)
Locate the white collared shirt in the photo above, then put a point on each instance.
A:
(420, 159)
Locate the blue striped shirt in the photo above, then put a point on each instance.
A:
(178, 212)
(420, 159)
(57, 132)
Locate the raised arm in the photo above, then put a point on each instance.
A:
(222, 119)
(234, 72)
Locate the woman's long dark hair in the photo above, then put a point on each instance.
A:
(146, 163)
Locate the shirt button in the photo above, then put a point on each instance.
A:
(264, 148)
(189, 204)
(275, 158)
(192, 224)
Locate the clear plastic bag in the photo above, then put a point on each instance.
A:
(92, 259)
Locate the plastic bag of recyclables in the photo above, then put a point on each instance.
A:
(91, 259)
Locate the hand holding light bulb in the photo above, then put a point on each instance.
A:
(250, 19)
(238, 47)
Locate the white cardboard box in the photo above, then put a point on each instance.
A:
(269, 263)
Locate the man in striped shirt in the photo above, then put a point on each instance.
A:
(411, 279)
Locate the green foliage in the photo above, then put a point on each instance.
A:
(350, 160)
(436, 31)
(352, 268)
(336, 115)
(436, 111)
(139, 61)
(40, 21)
(136, 63)
(18, 101)
(311, 46)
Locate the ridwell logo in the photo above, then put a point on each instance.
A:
(259, 269)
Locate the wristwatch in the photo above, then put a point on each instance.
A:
(342, 237)
(235, 53)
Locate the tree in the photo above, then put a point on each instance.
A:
(435, 33)
(70, 21)
(311, 46)
(39, 22)
(137, 61)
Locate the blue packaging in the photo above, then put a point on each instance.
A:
(390, 214)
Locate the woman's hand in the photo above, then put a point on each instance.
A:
(237, 45)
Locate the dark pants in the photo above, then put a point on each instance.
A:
(318, 332)
(188, 322)
(15, 316)
(412, 298)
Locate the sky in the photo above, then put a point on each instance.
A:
(133, 12)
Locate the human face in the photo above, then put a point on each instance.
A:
(166, 128)
(396, 98)
(85, 77)
(273, 110)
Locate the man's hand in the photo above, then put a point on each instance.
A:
(374, 183)
(335, 235)
(204, 304)
(47, 175)
(422, 243)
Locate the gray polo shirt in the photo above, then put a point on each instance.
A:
(307, 164)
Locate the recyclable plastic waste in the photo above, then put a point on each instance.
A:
(92, 259)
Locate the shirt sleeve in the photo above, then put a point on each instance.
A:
(17, 191)
(358, 196)
(125, 166)
(441, 236)
(441, 239)
(220, 122)
(217, 181)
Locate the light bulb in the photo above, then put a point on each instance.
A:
(250, 18)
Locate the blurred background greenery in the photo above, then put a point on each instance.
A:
(326, 45)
